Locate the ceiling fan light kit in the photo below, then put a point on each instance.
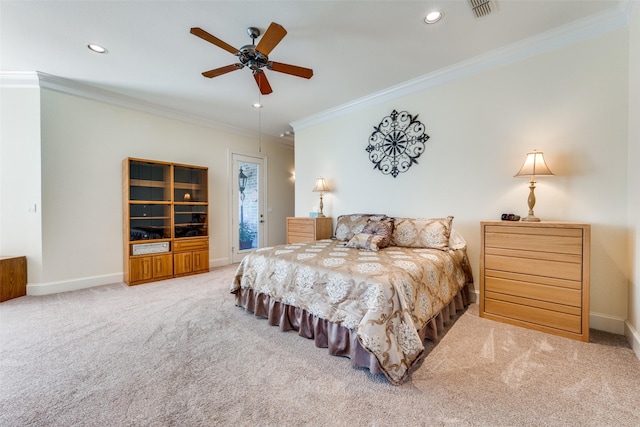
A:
(255, 57)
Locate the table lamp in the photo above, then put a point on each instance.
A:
(321, 187)
(533, 166)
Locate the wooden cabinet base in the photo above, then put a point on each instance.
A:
(13, 277)
(191, 257)
(144, 269)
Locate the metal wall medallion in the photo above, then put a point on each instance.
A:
(396, 143)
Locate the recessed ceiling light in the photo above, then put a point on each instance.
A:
(257, 105)
(433, 17)
(97, 48)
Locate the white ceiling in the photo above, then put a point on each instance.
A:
(355, 48)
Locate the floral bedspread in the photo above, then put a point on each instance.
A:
(386, 296)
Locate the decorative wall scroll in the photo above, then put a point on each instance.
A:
(396, 143)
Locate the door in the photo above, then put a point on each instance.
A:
(247, 193)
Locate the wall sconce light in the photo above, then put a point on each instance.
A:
(534, 165)
(321, 187)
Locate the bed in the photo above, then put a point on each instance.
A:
(372, 293)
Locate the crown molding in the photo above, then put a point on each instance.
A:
(628, 7)
(37, 79)
(571, 33)
(19, 79)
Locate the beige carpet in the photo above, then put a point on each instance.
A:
(179, 353)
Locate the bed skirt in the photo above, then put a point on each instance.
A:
(339, 340)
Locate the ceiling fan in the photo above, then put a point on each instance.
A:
(255, 57)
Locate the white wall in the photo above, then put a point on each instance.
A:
(83, 144)
(20, 222)
(570, 103)
(633, 322)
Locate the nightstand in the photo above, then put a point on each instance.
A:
(302, 229)
(536, 275)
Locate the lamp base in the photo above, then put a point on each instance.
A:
(530, 218)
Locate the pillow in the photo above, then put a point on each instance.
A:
(422, 233)
(349, 225)
(369, 242)
(382, 228)
(456, 241)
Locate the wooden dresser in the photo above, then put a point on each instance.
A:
(302, 229)
(536, 275)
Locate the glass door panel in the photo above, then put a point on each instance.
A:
(190, 220)
(149, 222)
(248, 216)
(149, 181)
(189, 184)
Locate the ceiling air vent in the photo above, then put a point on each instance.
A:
(482, 7)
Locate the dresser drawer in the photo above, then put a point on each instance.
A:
(534, 291)
(558, 320)
(301, 226)
(299, 238)
(561, 241)
(533, 266)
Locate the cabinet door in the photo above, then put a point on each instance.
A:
(162, 266)
(182, 263)
(140, 268)
(200, 261)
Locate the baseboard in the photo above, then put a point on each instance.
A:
(220, 262)
(633, 336)
(37, 289)
(607, 323)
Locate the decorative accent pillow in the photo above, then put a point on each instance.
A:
(422, 233)
(369, 242)
(349, 225)
(382, 228)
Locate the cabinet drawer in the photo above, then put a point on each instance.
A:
(535, 291)
(538, 316)
(534, 267)
(299, 238)
(562, 241)
(301, 226)
(190, 245)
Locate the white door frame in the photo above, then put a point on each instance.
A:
(235, 254)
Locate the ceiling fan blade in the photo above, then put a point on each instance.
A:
(294, 70)
(222, 70)
(274, 34)
(213, 39)
(263, 83)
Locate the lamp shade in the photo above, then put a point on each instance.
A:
(321, 186)
(534, 165)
